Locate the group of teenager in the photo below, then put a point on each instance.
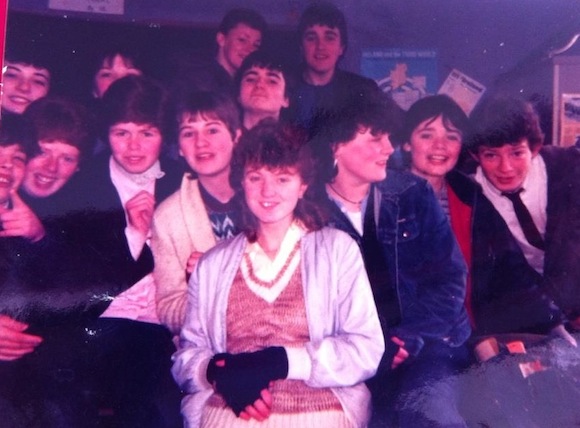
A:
(306, 254)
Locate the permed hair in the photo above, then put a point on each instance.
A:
(58, 118)
(269, 60)
(505, 120)
(242, 16)
(135, 99)
(324, 13)
(275, 146)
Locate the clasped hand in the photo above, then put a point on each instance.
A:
(243, 380)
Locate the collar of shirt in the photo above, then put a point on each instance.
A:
(535, 189)
(128, 185)
(266, 268)
(355, 217)
(535, 198)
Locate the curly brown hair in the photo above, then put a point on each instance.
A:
(275, 146)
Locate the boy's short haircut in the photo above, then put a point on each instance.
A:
(59, 118)
(501, 121)
(15, 129)
(271, 61)
(136, 99)
(377, 113)
(249, 17)
(324, 13)
(209, 105)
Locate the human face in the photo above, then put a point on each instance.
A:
(363, 160)
(135, 146)
(112, 70)
(206, 144)
(272, 194)
(322, 48)
(22, 85)
(236, 45)
(12, 165)
(434, 148)
(506, 167)
(48, 171)
(263, 90)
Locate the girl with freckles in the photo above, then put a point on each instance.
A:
(279, 331)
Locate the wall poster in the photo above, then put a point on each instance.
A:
(406, 74)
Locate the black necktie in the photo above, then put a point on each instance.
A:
(525, 218)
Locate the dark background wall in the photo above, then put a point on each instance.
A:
(504, 44)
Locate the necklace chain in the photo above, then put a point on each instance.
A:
(343, 197)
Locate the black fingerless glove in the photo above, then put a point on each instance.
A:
(243, 377)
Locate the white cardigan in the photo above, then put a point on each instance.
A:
(346, 340)
(180, 226)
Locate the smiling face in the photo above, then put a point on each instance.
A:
(322, 48)
(12, 166)
(236, 45)
(23, 84)
(363, 160)
(262, 90)
(435, 147)
(112, 69)
(206, 144)
(272, 194)
(506, 167)
(135, 147)
(48, 171)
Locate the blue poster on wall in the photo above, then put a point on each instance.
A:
(405, 74)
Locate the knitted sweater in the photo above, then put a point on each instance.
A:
(180, 226)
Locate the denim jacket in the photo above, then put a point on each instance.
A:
(423, 259)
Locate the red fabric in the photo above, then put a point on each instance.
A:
(460, 214)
